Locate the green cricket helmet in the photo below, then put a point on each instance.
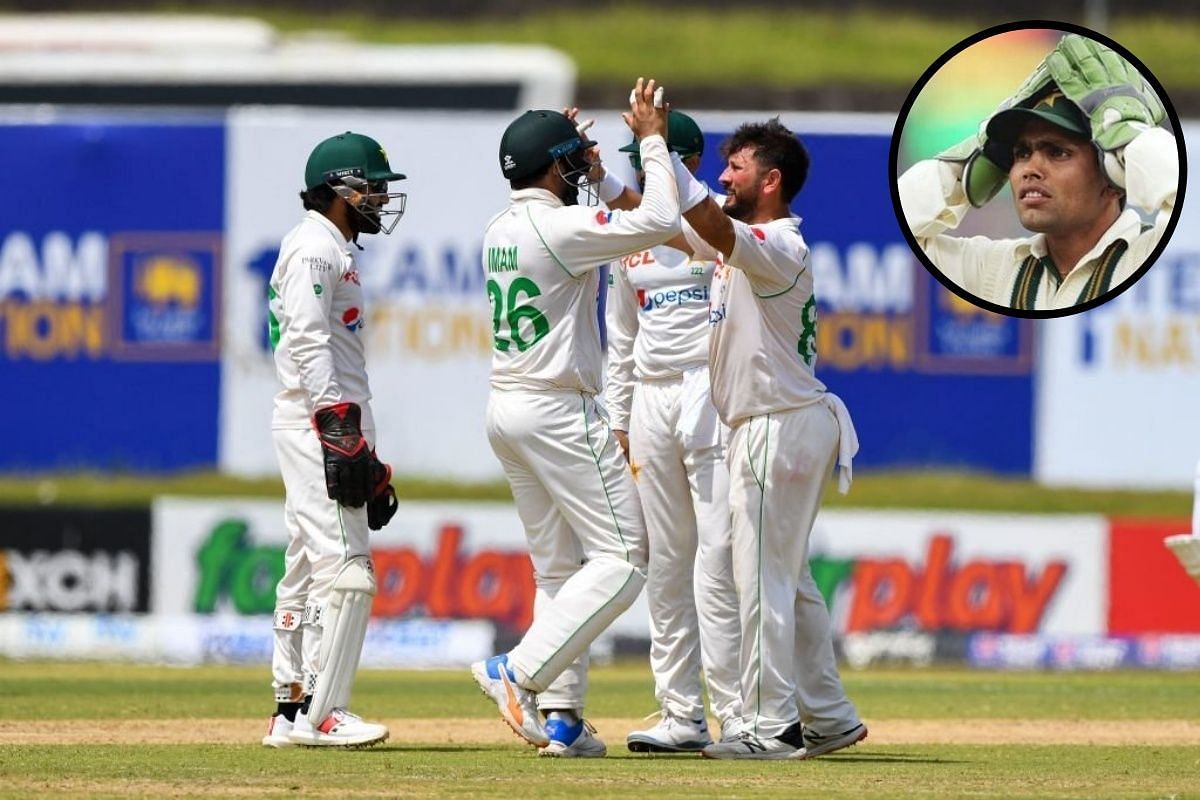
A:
(356, 168)
(683, 137)
(536, 140)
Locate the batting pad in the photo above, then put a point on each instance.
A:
(1187, 549)
(345, 624)
(583, 608)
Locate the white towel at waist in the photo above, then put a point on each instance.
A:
(847, 440)
(698, 426)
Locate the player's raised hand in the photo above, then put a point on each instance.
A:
(647, 113)
(596, 173)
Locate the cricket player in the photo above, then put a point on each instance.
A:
(324, 433)
(660, 408)
(787, 436)
(1186, 547)
(1079, 144)
(572, 486)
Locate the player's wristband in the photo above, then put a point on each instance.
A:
(610, 188)
(691, 191)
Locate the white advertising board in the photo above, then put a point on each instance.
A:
(428, 323)
(1117, 386)
(190, 639)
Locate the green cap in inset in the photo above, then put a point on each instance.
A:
(1051, 106)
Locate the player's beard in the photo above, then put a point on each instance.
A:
(741, 205)
(366, 220)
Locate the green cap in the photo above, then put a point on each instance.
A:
(348, 154)
(533, 140)
(1051, 106)
(683, 136)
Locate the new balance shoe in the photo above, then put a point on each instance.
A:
(339, 729)
(278, 728)
(518, 706)
(816, 744)
(572, 740)
(748, 745)
(671, 735)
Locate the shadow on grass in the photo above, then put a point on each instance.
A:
(891, 758)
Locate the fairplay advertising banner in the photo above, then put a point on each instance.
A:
(466, 561)
(885, 570)
(942, 571)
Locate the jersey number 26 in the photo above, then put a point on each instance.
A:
(515, 313)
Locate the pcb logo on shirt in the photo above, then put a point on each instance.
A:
(166, 302)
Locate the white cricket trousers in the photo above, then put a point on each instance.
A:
(689, 585)
(587, 541)
(322, 536)
(778, 466)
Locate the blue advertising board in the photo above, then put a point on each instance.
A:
(931, 381)
(110, 297)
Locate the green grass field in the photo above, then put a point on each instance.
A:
(728, 46)
(108, 731)
(892, 489)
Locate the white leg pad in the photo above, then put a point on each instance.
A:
(345, 628)
(1187, 549)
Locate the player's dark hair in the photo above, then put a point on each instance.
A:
(318, 198)
(529, 180)
(775, 147)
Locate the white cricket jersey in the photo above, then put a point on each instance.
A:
(657, 322)
(315, 302)
(933, 201)
(763, 318)
(541, 261)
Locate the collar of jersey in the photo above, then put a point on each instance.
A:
(330, 228)
(534, 195)
(1127, 226)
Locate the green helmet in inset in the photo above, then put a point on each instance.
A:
(683, 137)
(356, 168)
(537, 139)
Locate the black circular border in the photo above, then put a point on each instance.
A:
(894, 151)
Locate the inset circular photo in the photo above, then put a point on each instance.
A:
(1037, 169)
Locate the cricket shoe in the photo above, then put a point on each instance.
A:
(518, 705)
(816, 744)
(748, 745)
(572, 740)
(278, 728)
(671, 735)
(731, 729)
(339, 729)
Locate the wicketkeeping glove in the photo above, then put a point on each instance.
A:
(1111, 93)
(382, 505)
(347, 457)
(985, 162)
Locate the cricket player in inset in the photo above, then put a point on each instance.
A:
(788, 435)
(1080, 144)
(573, 489)
(324, 434)
(658, 395)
